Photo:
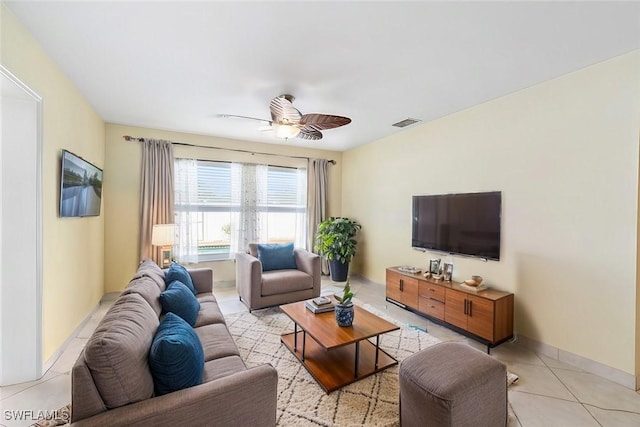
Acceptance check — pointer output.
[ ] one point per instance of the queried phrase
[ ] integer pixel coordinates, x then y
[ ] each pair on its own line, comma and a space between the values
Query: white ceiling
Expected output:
177, 65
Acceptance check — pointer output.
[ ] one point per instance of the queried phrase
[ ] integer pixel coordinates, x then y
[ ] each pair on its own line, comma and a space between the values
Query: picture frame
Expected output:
434, 266
447, 271
80, 187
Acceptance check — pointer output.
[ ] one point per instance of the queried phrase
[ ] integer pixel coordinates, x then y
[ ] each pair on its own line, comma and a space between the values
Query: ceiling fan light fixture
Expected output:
287, 122
285, 131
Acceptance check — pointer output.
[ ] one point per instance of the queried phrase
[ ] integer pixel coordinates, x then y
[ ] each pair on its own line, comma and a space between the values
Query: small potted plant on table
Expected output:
344, 308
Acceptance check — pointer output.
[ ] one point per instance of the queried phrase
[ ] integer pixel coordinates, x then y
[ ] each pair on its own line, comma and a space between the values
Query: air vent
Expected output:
406, 122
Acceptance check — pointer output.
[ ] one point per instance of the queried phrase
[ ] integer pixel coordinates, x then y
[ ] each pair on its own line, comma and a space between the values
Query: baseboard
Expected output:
365, 280
111, 296
224, 284
612, 374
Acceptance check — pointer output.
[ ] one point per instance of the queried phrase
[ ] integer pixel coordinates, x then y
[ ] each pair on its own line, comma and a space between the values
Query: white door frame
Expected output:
21, 348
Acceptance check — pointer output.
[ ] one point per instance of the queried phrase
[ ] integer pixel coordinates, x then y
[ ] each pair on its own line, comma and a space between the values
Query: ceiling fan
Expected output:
287, 122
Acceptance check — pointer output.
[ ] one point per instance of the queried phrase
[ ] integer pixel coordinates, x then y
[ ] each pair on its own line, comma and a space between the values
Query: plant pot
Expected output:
339, 270
344, 314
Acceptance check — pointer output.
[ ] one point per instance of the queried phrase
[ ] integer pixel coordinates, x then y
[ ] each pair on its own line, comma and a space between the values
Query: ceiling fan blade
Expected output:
323, 121
310, 133
283, 112
233, 116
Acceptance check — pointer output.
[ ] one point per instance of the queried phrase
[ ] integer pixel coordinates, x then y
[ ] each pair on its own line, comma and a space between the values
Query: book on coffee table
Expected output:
321, 300
314, 308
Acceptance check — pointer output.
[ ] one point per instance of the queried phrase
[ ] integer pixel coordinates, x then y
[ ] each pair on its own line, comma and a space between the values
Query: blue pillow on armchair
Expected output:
276, 256
179, 273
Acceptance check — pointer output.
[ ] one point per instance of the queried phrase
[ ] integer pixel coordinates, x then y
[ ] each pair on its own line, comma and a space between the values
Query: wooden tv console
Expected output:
486, 316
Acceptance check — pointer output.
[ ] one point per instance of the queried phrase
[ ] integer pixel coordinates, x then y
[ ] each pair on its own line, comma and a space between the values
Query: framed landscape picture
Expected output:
80, 187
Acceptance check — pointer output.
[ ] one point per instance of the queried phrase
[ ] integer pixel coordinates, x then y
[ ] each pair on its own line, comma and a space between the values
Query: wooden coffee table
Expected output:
336, 356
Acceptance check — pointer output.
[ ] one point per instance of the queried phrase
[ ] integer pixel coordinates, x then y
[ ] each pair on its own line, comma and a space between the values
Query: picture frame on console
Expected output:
447, 271
434, 266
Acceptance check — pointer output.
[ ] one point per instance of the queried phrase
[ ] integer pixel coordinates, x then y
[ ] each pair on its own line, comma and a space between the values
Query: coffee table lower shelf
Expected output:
334, 368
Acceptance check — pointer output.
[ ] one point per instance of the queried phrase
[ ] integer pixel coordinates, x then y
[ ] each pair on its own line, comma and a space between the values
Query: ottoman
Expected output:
452, 384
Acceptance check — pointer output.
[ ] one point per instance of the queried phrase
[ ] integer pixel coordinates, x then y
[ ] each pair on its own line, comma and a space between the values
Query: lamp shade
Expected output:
163, 235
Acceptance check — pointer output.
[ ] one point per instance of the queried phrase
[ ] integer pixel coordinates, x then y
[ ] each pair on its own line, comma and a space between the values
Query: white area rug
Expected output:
372, 401
301, 401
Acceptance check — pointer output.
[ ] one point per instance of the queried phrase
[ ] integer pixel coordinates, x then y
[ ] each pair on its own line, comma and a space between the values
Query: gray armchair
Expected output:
260, 289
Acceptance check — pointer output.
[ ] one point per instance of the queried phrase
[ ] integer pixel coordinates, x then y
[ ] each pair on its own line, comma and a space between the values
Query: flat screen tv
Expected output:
80, 187
462, 224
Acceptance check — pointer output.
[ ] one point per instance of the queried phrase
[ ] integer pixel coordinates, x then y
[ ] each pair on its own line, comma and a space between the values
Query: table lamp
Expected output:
164, 235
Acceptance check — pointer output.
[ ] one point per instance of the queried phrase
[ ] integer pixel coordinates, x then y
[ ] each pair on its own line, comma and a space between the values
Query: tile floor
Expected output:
548, 393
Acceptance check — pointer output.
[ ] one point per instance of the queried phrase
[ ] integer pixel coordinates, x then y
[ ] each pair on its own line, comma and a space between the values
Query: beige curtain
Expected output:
156, 193
317, 202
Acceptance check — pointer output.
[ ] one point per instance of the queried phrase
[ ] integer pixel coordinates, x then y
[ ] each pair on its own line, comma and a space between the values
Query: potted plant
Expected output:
336, 241
344, 308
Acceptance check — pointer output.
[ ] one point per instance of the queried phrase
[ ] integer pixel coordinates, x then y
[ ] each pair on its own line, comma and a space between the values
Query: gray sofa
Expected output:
112, 384
259, 289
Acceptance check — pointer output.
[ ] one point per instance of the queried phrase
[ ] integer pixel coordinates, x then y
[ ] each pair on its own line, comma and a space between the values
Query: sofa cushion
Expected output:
222, 367
276, 257
209, 313
148, 289
148, 268
176, 358
179, 273
178, 299
216, 341
117, 352
285, 281
205, 298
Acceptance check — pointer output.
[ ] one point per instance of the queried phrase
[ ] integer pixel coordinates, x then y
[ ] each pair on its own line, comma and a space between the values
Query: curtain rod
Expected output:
133, 138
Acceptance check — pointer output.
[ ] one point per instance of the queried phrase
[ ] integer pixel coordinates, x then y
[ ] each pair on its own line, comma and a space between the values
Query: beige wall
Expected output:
122, 190
565, 155
73, 248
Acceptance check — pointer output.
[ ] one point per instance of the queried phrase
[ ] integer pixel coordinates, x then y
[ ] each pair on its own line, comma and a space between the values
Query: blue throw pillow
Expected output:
179, 300
179, 273
276, 256
176, 358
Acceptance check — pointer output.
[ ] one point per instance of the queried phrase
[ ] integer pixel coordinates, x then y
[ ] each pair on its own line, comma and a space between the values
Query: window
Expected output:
221, 207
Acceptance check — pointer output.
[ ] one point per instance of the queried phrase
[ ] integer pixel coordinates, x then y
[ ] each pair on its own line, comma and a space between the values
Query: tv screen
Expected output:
463, 224
80, 187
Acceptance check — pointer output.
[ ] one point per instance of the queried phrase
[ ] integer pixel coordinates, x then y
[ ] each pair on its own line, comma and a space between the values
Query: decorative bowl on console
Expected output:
474, 281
